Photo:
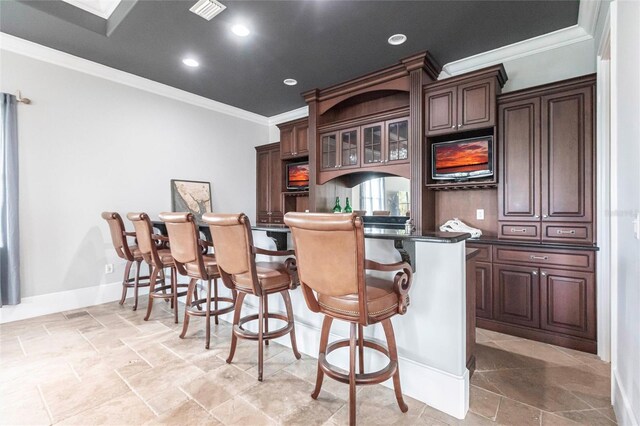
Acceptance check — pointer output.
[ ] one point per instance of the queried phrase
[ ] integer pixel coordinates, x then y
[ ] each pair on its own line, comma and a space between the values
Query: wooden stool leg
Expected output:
393, 355
208, 316
190, 290
215, 297
174, 288
324, 340
152, 285
361, 348
236, 319
260, 340
266, 316
292, 333
127, 271
135, 285
352, 374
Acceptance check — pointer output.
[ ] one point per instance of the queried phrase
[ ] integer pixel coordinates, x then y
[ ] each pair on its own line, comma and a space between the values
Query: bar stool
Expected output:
158, 259
236, 257
189, 254
130, 253
331, 261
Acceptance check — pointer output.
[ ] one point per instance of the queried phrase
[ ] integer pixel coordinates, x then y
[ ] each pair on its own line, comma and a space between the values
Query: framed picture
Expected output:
191, 196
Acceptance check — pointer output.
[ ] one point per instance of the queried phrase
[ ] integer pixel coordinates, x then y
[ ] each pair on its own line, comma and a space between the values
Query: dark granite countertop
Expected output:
389, 234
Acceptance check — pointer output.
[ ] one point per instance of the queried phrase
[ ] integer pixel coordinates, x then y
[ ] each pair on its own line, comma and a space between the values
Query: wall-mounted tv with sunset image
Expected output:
298, 176
462, 159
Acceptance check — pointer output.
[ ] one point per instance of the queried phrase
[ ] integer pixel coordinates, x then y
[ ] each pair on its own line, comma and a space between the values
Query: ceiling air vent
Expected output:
207, 8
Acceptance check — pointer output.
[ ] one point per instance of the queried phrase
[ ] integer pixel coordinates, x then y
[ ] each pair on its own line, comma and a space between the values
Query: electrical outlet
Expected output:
480, 214
108, 268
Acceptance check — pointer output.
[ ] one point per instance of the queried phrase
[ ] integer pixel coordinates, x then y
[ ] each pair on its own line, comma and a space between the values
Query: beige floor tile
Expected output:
68, 398
495, 336
377, 405
551, 419
274, 364
511, 412
307, 369
218, 386
246, 355
208, 360
187, 413
537, 350
587, 417
124, 409
608, 413
237, 411
166, 399
24, 406
535, 387
490, 357
483, 402
480, 380
149, 382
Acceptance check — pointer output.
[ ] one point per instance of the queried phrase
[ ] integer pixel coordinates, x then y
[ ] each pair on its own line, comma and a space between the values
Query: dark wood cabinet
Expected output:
568, 302
546, 168
567, 155
516, 295
544, 294
519, 180
349, 151
442, 111
462, 103
294, 139
268, 184
484, 290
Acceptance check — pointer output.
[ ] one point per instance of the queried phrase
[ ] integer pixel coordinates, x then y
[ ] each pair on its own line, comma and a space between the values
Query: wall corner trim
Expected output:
289, 115
39, 52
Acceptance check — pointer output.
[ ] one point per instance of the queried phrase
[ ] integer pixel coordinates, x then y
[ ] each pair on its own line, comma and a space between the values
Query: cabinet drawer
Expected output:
519, 231
485, 252
277, 219
583, 260
570, 233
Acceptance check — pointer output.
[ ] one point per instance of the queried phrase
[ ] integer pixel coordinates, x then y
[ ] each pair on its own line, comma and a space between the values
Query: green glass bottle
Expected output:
347, 207
337, 208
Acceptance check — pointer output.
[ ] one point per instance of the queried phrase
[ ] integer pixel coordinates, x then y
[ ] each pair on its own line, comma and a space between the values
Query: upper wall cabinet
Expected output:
294, 139
465, 102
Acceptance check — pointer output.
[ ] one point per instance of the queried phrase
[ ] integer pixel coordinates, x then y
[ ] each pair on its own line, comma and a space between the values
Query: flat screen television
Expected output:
298, 176
463, 159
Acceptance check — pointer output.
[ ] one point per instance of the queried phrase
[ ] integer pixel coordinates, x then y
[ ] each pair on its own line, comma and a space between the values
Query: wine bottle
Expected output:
347, 207
337, 208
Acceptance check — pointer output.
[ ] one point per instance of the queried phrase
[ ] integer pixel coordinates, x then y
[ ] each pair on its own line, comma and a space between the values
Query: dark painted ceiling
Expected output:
319, 43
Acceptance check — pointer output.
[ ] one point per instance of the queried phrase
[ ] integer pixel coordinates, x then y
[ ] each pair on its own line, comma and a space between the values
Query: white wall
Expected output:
625, 71
88, 145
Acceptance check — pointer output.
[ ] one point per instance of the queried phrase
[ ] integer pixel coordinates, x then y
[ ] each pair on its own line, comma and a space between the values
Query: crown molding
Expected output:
27, 48
583, 30
294, 114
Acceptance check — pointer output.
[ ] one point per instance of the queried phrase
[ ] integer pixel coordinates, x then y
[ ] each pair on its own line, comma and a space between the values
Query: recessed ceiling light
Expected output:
290, 81
190, 62
240, 30
397, 39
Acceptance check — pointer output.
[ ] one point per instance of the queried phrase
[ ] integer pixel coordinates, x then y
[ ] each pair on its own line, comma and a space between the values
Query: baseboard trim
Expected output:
621, 403
51, 303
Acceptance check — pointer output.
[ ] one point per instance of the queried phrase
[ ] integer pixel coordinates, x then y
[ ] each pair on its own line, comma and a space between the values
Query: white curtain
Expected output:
9, 236
372, 195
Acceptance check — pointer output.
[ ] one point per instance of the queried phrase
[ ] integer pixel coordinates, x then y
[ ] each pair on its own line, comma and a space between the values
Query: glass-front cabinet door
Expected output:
372, 144
329, 154
398, 141
349, 155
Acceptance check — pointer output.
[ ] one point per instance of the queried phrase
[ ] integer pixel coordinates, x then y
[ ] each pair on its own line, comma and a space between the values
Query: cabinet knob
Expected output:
453, 127
544, 274
459, 126
534, 272
544, 215
537, 216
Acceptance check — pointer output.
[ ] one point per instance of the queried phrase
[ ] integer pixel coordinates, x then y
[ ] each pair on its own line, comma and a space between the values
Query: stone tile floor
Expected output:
105, 365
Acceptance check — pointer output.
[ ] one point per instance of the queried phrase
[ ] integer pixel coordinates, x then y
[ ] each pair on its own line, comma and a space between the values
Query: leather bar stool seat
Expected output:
236, 256
129, 252
331, 265
150, 246
273, 276
210, 266
189, 254
382, 300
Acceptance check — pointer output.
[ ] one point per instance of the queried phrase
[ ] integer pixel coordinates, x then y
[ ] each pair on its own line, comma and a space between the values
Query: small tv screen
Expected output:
298, 176
462, 159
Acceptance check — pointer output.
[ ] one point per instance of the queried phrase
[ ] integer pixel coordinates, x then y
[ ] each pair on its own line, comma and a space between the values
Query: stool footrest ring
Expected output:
361, 379
240, 331
191, 310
